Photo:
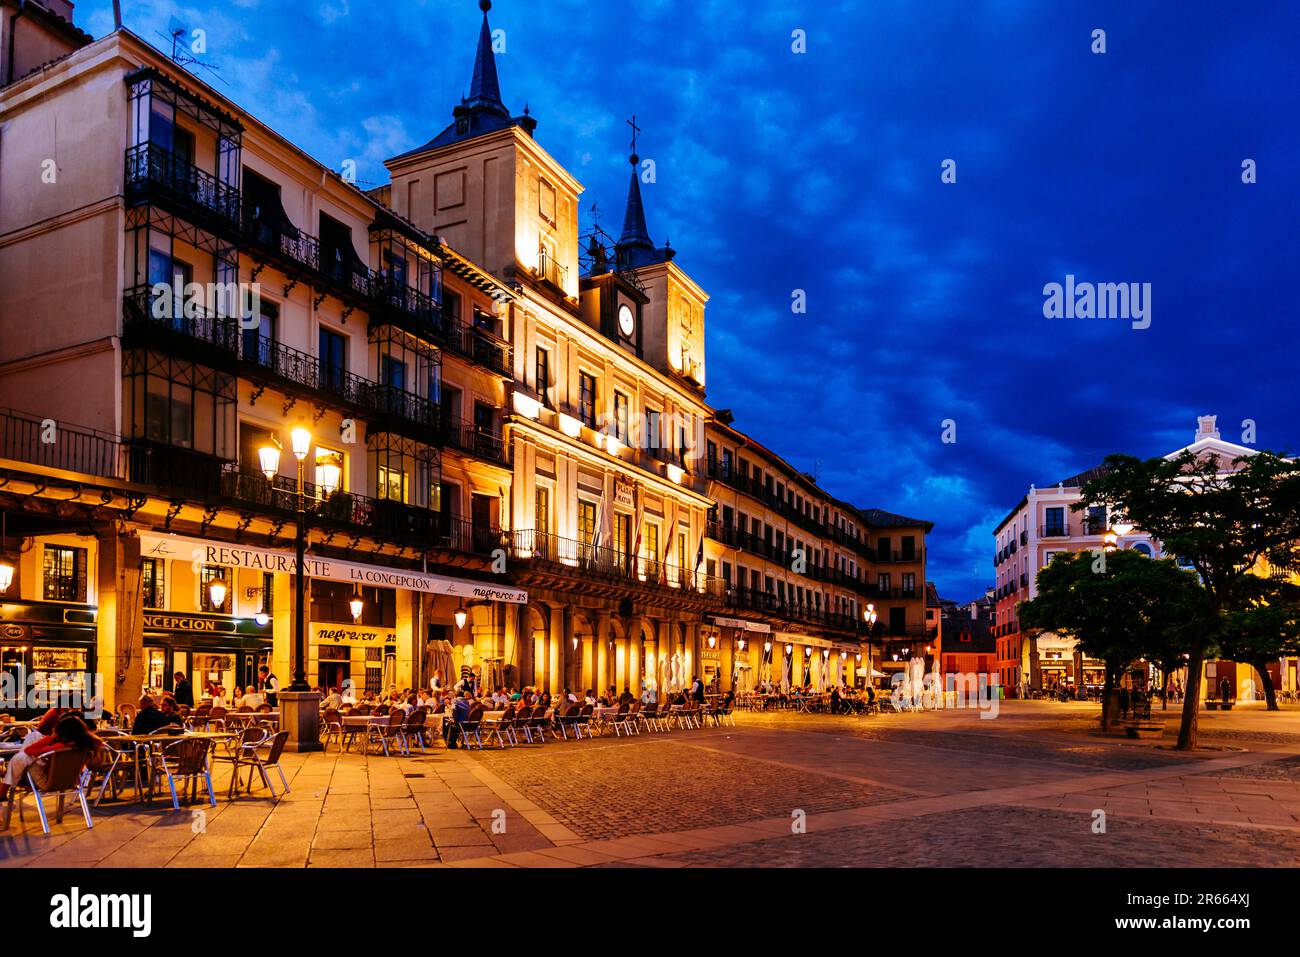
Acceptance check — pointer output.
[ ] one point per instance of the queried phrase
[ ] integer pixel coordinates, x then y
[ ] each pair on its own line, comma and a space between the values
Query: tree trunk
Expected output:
1191, 701
1107, 705
1164, 689
1270, 693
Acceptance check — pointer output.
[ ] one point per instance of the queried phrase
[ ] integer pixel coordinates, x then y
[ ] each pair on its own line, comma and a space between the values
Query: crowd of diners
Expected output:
457, 702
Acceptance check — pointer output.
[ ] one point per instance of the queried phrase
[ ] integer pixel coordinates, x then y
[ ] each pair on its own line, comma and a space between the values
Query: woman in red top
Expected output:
70, 732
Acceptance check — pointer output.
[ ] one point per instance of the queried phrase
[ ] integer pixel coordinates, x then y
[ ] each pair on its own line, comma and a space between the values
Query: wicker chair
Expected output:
59, 773
186, 759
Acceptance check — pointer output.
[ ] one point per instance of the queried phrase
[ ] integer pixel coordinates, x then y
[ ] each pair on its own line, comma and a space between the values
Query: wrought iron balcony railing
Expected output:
549, 269
582, 557
486, 444
152, 169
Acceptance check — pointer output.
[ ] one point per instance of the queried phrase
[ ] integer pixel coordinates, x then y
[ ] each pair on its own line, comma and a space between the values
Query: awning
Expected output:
205, 552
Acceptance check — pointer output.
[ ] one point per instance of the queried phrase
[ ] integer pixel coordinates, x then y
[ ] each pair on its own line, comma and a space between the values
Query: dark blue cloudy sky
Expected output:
821, 171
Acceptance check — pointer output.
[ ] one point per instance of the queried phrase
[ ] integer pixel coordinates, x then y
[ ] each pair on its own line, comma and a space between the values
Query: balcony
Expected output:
1054, 531
770, 603
85, 451
204, 337
549, 270
350, 513
481, 443
899, 557
295, 251
758, 491
1024, 537
155, 174
543, 550
479, 346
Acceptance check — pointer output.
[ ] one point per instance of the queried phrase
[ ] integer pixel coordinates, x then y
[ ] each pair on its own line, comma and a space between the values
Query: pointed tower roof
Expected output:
635, 233
635, 248
482, 110
484, 88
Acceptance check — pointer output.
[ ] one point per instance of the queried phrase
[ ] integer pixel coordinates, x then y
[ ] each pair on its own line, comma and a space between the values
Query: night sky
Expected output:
821, 171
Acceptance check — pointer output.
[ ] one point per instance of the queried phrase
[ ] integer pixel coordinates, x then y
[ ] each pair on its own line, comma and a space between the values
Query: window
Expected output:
392, 372
620, 417
882, 582
392, 484
586, 527
207, 576
546, 201
587, 399
1142, 548
65, 573
622, 539
652, 544
909, 584
1054, 521
152, 585
542, 513
683, 570
258, 341
908, 545
333, 359
544, 375
726, 463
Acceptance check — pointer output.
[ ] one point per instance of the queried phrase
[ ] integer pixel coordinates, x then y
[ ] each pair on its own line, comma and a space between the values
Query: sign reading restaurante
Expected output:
269, 560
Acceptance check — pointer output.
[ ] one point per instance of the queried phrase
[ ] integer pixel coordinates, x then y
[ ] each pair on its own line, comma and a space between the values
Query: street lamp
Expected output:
357, 605
217, 592
300, 441
461, 617
1110, 540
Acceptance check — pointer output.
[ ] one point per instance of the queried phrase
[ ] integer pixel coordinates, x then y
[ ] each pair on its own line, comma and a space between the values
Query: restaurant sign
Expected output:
201, 552
202, 625
741, 624
347, 634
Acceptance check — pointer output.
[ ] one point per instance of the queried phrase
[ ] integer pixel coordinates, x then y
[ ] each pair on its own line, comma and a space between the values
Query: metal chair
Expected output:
274, 747
469, 728
237, 751
393, 731
59, 773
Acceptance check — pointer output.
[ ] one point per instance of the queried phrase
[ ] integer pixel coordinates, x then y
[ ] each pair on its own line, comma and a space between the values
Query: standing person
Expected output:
1225, 689
697, 690
184, 691
459, 715
269, 685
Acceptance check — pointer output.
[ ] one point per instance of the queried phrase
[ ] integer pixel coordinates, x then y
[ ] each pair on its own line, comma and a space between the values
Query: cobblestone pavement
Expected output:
1006, 836
904, 790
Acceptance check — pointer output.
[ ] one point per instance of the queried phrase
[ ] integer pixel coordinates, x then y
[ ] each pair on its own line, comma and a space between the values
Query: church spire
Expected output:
484, 89
635, 233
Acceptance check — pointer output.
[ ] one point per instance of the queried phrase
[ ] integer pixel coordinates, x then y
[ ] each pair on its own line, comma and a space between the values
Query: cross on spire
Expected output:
635, 130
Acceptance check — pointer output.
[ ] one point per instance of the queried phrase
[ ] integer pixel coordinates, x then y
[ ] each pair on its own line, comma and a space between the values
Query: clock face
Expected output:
626, 321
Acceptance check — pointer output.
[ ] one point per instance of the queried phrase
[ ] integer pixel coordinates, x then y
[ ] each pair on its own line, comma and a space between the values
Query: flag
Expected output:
638, 518
699, 560
670, 540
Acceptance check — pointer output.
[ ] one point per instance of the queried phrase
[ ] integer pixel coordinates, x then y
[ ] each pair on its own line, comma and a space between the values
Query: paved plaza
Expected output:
937, 789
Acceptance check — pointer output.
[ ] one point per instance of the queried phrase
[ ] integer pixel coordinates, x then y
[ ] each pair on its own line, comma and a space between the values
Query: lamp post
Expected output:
305, 730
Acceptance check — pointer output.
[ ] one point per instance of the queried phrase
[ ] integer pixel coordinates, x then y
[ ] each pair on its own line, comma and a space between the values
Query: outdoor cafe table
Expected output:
136, 744
364, 721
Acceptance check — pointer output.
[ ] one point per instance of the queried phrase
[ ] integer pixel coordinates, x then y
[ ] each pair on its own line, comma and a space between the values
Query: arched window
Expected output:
1143, 548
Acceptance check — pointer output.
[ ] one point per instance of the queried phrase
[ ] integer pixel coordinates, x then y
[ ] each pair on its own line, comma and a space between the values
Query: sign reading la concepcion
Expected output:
202, 553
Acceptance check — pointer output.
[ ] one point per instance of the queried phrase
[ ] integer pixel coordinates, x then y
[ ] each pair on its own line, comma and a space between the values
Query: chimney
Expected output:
1205, 427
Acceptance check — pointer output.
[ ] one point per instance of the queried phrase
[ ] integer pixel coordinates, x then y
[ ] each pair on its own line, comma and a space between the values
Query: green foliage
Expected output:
1120, 606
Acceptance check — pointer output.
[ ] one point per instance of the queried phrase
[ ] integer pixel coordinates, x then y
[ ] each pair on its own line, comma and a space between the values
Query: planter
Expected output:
1211, 706
1143, 729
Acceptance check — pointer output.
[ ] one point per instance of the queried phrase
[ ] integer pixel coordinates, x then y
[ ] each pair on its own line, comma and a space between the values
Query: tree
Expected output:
1119, 606
1264, 626
1221, 518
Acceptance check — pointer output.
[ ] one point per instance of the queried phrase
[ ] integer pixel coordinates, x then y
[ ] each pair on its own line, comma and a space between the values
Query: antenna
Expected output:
180, 55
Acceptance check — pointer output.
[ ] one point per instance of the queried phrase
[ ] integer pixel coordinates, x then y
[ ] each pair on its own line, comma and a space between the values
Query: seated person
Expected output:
151, 717
332, 700
70, 732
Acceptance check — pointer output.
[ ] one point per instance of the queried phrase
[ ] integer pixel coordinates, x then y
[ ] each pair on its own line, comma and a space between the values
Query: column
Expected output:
523, 644
604, 660
407, 640
119, 637
635, 652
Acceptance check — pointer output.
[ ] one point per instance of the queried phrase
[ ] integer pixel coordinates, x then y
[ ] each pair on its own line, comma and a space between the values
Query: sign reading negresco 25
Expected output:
202, 552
